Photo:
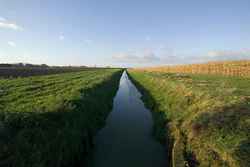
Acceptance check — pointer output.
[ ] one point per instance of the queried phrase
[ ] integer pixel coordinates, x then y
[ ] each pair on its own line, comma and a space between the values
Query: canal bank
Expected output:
127, 140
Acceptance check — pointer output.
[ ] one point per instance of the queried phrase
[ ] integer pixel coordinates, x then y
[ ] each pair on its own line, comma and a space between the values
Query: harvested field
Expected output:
229, 68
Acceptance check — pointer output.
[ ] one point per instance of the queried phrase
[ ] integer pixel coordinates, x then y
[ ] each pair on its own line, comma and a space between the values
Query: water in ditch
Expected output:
126, 140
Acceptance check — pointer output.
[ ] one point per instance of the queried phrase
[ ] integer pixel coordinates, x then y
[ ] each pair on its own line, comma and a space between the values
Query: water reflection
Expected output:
126, 140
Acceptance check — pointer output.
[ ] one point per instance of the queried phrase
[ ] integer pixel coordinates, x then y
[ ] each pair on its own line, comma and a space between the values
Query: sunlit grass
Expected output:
51, 120
207, 115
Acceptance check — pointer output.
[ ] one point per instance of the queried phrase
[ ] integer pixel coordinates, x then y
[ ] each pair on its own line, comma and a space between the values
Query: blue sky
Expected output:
123, 32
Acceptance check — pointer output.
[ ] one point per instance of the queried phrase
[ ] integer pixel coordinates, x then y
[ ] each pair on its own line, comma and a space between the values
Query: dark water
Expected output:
126, 140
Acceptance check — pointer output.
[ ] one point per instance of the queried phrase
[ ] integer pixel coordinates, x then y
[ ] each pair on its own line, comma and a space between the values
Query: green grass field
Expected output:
17, 72
204, 119
50, 120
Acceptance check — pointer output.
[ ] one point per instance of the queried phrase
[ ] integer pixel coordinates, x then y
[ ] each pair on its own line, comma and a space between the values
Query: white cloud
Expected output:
132, 57
125, 57
12, 44
2, 19
9, 25
25, 57
61, 37
148, 58
229, 54
216, 55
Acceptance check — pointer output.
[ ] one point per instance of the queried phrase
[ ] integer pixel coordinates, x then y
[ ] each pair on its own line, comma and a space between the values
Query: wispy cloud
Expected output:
216, 55
2, 19
9, 25
61, 37
125, 57
229, 54
11, 43
147, 56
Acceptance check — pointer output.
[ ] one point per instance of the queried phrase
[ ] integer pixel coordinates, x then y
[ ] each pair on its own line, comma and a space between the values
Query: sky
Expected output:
127, 33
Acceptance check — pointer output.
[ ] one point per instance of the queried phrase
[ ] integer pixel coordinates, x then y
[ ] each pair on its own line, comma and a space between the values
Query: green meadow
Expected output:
203, 120
50, 120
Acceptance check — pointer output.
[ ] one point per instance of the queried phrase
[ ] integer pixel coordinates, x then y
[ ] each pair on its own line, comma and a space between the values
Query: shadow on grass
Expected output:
160, 128
229, 127
59, 138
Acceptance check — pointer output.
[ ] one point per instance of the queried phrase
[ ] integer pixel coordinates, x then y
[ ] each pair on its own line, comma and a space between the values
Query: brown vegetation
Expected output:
228, 68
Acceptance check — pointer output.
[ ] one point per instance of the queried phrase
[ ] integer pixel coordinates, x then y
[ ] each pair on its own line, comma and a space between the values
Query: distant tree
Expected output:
5, 65
18, 65
44, 65
30, 65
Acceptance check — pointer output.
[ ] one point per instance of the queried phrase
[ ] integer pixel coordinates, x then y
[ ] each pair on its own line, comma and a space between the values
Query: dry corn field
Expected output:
228, 68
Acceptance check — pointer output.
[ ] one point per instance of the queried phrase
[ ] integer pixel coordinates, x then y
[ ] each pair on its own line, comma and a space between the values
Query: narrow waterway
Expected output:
126, 140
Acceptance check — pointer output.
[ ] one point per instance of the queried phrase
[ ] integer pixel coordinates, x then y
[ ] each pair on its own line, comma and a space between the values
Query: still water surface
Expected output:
126, 140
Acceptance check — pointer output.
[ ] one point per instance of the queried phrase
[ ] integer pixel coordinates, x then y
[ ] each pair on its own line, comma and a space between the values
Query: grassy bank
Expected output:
205, 119
50, 120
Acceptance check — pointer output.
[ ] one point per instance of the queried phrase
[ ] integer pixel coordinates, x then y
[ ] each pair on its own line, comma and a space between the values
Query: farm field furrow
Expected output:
50, 120
204, 120
39, 87
6, 72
